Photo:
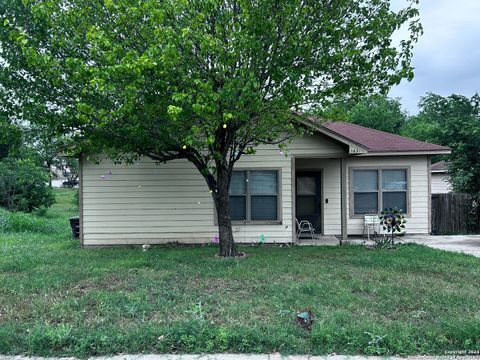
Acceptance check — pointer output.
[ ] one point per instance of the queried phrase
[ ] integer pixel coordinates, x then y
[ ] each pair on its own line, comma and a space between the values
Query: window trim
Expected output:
248, 221
380, 191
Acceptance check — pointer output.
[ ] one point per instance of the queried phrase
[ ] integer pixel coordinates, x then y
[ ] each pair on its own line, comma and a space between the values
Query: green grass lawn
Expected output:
59, 299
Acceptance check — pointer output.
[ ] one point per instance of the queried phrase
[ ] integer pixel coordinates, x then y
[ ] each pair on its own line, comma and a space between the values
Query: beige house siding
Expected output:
418, 219
440, 183
149, 203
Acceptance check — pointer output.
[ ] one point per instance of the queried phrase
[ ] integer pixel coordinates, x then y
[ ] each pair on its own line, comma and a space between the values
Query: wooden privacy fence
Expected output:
451, 214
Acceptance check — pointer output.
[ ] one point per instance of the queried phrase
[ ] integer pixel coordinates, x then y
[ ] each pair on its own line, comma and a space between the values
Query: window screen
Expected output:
365, 180
254, 195
366, 203
238, 195
379, 189
365, 192
394, 180
394, 189
394, 199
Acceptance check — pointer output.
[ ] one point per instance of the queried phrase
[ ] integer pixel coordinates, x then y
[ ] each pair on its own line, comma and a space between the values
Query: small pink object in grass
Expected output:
215, 239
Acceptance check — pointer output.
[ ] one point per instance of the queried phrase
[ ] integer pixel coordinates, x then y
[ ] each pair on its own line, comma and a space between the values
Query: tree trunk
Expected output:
222, 203
50, 174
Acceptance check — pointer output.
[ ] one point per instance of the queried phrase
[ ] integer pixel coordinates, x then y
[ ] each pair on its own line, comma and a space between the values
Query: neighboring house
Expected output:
63, 176
331, 177
58, 176
440, 180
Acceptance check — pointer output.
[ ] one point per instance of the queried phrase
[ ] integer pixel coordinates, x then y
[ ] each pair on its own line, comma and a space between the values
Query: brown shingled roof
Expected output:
380, 141
441, 166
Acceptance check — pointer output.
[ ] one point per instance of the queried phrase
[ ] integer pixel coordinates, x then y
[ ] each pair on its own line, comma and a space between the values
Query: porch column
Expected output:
294, 211
343, 198
429, 170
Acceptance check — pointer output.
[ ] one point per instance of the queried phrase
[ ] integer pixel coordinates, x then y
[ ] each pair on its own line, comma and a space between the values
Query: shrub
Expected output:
24, 186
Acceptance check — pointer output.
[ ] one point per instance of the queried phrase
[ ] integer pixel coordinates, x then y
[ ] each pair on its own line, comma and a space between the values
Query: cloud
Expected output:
447, 56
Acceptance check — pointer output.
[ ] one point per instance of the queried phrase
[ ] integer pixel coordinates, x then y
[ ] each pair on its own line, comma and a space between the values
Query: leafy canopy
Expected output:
376, 111
453, 121
204, 80
24, 185
10, 138
23, 179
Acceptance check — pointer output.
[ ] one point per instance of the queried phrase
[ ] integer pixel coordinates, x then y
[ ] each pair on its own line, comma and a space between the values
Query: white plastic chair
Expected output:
305, 226
371, 225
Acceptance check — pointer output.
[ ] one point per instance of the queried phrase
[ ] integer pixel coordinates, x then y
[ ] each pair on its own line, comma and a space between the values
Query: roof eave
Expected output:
358, 149
410, 152
354, 147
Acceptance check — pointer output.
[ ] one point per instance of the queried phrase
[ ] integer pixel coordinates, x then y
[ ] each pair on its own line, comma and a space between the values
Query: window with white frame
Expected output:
254, 195
374, 190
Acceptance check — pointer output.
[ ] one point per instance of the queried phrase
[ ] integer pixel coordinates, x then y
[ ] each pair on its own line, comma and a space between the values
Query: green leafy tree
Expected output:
45, 147
23, 181
453, 121
23, 185
377, 112
70, 169
337, 109
32, 142
201, 80
10, 138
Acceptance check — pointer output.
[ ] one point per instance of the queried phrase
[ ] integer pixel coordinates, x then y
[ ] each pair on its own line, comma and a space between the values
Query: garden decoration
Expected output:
103, 177
305, 319
262, 238
393, 222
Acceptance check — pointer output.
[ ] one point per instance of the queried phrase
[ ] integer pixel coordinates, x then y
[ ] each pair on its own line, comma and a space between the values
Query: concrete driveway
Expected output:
467, 244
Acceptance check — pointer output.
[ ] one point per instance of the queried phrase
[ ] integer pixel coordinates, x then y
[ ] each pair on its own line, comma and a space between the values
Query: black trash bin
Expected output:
75, 225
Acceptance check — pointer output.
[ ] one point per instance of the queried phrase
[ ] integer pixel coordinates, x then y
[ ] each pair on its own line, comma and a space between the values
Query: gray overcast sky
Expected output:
447, 56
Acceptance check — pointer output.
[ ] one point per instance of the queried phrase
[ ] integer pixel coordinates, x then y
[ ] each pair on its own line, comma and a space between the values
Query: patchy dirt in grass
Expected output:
365, 294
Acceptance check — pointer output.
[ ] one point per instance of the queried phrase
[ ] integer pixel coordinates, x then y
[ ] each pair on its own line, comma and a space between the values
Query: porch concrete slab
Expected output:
319, 240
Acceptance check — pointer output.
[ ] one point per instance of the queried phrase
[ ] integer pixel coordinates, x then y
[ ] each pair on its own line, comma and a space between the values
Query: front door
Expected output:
309, 198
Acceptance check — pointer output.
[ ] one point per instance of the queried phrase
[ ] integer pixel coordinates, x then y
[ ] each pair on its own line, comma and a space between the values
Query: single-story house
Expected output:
332, 176
440, 180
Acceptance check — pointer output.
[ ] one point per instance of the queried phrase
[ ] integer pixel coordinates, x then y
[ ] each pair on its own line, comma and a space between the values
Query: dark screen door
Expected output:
309, 199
